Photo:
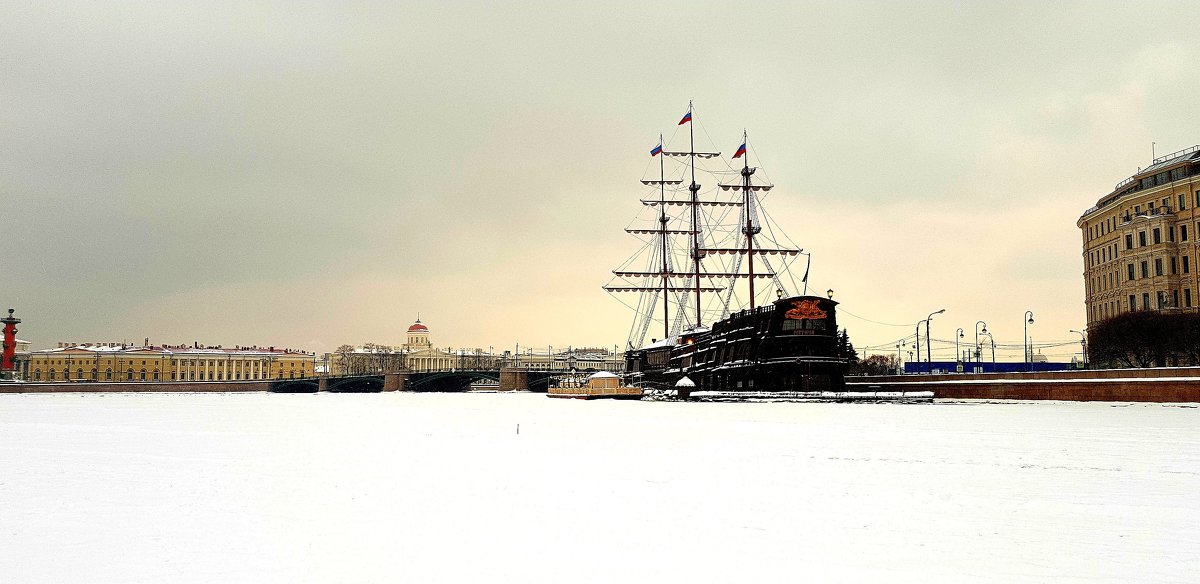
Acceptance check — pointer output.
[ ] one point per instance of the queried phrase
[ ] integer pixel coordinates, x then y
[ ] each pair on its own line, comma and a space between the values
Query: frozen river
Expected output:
442, 488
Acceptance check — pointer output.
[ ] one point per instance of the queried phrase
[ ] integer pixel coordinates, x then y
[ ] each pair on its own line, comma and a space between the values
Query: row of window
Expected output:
1106, 281
1110, 224
142, 376
1108, 253
1162, 299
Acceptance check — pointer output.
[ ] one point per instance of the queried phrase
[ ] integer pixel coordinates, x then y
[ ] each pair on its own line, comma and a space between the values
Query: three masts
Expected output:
660, 279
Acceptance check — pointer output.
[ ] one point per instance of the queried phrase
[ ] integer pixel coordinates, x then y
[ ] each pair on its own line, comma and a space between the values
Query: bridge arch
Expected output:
448, 380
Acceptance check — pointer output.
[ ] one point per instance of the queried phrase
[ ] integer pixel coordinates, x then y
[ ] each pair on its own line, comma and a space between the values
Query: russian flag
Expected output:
740, 151
686, 118
654, 151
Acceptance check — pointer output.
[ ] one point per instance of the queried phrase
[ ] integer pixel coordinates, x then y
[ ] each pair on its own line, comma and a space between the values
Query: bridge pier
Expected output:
513, 379
323, 383
395, 381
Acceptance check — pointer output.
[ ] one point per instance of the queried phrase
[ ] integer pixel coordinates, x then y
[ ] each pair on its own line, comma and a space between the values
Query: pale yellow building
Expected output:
421, 355
115, 362
1139, 241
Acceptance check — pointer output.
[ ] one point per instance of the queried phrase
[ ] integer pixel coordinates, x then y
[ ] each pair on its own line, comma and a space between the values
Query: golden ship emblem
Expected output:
804, 310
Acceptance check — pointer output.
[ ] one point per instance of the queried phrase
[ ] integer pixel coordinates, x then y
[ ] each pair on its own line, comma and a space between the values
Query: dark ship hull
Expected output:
788, 348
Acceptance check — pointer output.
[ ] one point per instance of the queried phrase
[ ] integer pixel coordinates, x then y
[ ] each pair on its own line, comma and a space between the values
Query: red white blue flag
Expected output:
740, 151
686, 118
654, 151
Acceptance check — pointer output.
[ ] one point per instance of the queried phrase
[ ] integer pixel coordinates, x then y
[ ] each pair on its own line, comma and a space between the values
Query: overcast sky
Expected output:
312, 174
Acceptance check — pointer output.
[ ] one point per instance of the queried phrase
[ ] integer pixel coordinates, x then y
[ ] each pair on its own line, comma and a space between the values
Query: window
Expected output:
1171, 233
1128, 241
1145, 301
1161, 298
1183, 233
1158, 267
1145, 269
1132, 302
37, 374
1182, 202
108, 374
1157, 235
1175, 298
1141, 239
1185, 264
1173, 266
1187, 297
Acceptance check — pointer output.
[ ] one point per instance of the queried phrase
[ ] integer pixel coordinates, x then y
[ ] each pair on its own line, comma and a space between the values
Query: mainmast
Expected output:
695, 189
751, 228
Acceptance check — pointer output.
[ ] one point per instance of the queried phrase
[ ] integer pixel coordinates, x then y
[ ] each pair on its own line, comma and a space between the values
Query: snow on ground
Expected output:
441, 488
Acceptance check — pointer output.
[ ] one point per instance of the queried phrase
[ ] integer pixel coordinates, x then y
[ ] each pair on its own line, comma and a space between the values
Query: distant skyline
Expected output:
308, 175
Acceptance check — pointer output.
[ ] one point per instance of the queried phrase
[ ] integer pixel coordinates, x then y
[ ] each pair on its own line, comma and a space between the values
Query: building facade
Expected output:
418, 354
21, 359
1139, 241
116, 362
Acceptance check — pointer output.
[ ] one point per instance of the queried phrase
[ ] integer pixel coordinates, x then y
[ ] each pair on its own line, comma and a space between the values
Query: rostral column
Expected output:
7, 363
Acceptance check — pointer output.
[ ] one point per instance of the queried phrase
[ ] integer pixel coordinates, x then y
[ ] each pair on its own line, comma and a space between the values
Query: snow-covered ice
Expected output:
442, 488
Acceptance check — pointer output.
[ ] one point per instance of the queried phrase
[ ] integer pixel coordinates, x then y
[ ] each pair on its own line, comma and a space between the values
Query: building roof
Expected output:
1162, 164
418, 327
166, 350
1172, 159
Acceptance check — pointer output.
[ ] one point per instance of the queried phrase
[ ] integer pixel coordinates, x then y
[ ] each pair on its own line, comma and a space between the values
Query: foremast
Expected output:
751, 226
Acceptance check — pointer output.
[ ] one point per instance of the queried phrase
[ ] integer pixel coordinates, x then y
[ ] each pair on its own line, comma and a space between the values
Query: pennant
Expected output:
686, 118
740, 151
656, 150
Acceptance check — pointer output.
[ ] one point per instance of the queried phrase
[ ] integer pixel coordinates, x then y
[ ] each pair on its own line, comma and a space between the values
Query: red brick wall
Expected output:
1174, 384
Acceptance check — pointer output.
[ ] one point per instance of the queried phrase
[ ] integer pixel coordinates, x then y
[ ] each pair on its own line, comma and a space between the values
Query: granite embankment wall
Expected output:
1166, 384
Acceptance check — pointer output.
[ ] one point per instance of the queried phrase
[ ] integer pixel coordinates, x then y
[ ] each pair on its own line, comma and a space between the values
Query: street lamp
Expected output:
1083, 344
928, 350
1028, 357
898, 360
977, 331
957, 354
917, 346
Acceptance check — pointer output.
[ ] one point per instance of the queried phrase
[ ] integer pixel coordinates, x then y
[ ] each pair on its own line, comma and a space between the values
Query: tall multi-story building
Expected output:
1139, 241
121, 362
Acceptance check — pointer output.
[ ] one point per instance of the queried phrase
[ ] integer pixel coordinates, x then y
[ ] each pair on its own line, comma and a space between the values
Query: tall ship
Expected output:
714, 288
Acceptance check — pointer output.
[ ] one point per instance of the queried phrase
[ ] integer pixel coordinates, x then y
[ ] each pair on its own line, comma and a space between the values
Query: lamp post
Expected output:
928, 349
957, 355
917, 345
1028, 357
977, 331
1083, 345
899, 368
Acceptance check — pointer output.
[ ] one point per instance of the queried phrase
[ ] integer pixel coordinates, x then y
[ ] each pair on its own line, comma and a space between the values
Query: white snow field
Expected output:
220, 488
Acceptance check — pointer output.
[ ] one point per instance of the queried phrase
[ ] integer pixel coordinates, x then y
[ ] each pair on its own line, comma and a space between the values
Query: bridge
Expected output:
508, 379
